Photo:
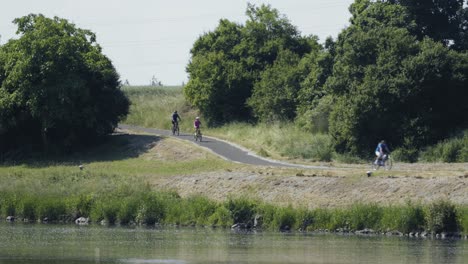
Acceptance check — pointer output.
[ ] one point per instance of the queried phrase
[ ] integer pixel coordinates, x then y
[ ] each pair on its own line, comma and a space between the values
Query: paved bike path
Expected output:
222, 148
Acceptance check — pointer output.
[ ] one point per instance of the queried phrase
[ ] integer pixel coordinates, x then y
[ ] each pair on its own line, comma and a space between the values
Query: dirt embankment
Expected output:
340, 185
319, 191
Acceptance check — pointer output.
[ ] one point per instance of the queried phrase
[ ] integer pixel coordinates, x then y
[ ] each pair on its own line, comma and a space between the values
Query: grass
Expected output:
153, 107
147, 207
454, 149
280, 140
124, 162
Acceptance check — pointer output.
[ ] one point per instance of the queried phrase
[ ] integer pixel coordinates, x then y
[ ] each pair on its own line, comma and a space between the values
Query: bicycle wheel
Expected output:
388, 164
177, 130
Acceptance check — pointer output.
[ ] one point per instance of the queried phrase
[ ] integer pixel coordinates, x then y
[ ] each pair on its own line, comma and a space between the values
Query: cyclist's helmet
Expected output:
197, 117
175, 111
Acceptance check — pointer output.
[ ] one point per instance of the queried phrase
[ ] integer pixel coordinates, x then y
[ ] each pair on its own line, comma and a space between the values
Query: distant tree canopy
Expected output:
399, 72
57, 89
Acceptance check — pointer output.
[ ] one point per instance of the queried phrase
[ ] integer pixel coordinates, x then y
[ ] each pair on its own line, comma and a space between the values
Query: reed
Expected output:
147, 207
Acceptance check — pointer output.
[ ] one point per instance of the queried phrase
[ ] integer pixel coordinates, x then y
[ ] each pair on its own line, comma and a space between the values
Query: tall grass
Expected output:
153, 107
451, 150
279, 139
148, 208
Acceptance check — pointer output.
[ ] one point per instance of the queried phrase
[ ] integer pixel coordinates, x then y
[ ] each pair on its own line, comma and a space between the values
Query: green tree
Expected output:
56, 87
440, 20
275, 94
386, 84
313, 109
227, 62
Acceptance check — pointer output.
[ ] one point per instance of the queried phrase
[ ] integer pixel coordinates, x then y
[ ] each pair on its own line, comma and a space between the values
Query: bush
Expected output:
52, 208
321, 219
27, 209
451, 150
128, 210
405, 155
221, 217
365, 216
242, 210
152, 209
463, 216
441, 216
406, 219
199, 209
285, 218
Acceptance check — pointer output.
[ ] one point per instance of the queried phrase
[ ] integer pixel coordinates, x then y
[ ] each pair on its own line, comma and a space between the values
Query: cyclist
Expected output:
382, 151
175, 118
196, 125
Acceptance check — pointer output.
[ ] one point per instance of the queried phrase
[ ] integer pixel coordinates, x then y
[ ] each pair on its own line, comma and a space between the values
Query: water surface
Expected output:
39, 243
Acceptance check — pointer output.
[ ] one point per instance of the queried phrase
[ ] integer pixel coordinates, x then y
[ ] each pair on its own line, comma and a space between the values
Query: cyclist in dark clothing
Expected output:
381, 151
175, 118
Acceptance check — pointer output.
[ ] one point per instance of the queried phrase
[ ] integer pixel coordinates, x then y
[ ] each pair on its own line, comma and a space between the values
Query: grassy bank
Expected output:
143, 206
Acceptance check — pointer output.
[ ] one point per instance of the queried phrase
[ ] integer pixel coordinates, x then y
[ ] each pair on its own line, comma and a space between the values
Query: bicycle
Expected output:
175, 129
385, 162
198, 135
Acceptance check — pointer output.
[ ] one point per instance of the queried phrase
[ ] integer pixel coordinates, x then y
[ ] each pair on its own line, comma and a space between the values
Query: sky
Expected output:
146, 38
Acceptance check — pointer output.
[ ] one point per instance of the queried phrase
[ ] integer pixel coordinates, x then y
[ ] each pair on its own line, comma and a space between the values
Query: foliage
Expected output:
227, 63
242, 210
381, 73
406, 219
441, 216
148, 207
57, 89
274, 95
454, 149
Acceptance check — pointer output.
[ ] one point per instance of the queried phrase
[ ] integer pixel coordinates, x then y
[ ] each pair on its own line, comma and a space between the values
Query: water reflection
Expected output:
95, 244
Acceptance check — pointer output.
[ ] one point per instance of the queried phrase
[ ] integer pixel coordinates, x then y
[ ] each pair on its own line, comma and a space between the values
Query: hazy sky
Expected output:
153, 37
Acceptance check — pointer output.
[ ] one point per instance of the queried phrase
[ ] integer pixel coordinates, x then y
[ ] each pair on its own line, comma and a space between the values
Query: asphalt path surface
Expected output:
224, 149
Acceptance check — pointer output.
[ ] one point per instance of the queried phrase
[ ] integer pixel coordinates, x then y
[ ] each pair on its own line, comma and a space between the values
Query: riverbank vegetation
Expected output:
128, 206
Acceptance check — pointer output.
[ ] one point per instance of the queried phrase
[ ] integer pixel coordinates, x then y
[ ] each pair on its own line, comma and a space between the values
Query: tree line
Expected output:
399, 71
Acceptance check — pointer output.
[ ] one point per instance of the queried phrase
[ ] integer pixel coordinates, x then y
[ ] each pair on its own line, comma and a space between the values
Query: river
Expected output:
41, 243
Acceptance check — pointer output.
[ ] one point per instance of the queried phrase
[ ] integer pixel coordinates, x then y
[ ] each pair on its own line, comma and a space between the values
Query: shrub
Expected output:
242, 210
364, 216
451, 150
463, 216
441, 216
52, 208
405, 155
406, 219
199, 209
284, 218
221, 217
128, 210
321, 219
152, 209
27, 209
